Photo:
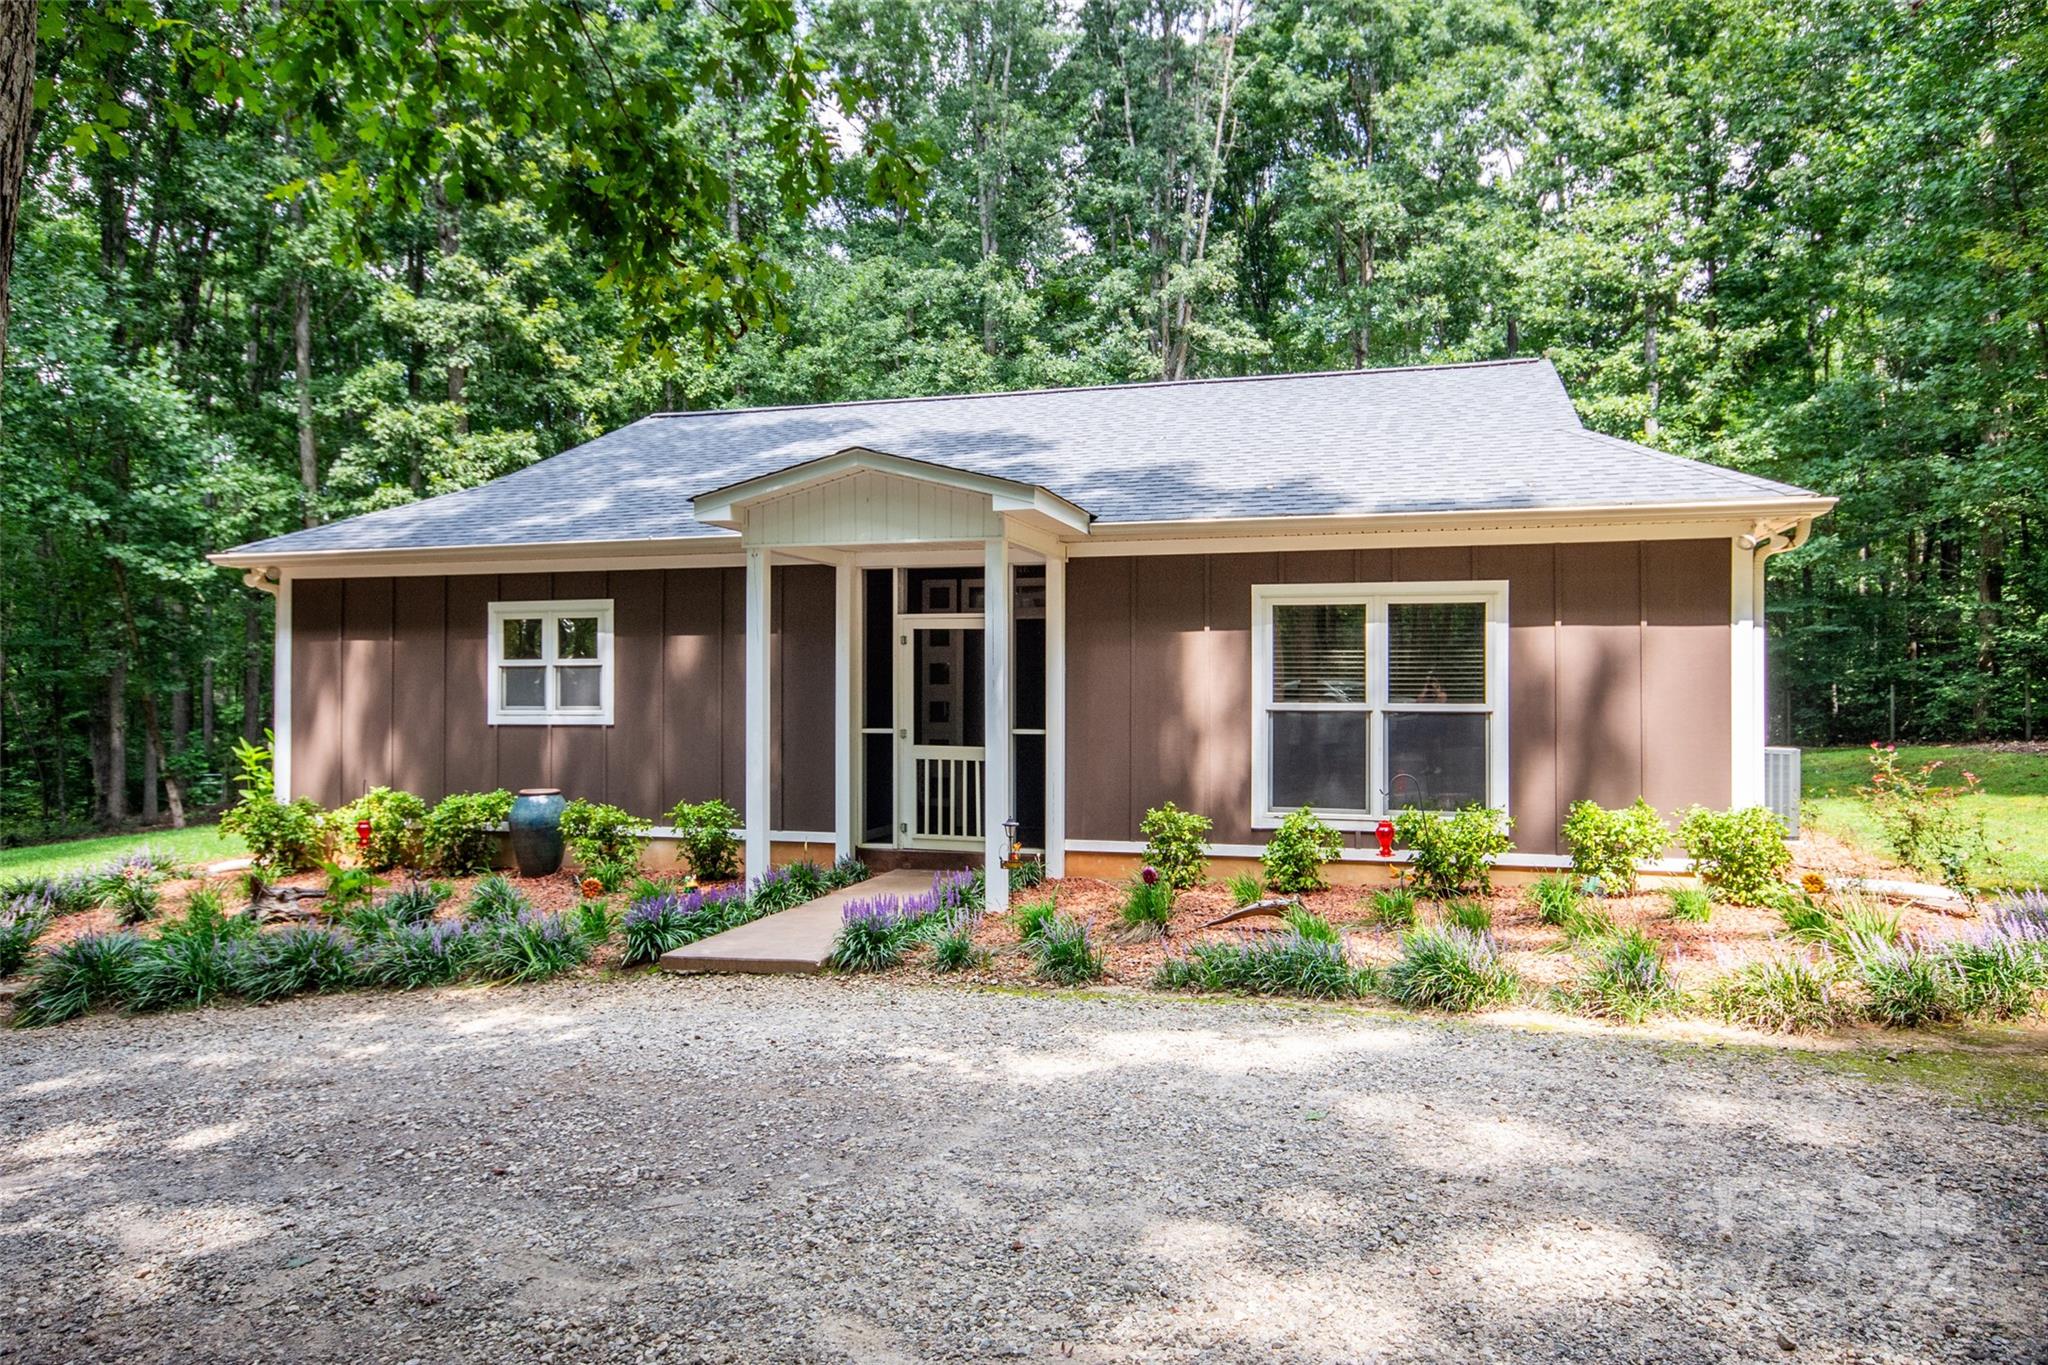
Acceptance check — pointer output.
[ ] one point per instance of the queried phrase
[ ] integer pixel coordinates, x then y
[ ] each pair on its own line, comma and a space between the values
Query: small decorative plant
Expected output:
1690, 904
1064, 953
1556, 900
1394, 908
1607, 844
601, 834
1176, 845
460, 836
1454, 854
704, 829
1739, 854
1032, 917
1629, 980
1449, 969
1148, 904
1470, 915
1295, 855
347, 888
1246, 889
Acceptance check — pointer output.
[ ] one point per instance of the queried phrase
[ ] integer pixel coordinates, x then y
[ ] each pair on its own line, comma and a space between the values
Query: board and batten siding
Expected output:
1618, 677
389, 679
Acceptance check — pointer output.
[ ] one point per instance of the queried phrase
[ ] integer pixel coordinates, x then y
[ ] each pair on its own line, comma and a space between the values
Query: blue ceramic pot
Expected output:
536, 829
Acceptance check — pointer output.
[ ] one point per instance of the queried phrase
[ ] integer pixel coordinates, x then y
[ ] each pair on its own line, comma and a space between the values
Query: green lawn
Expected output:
2015, 797
193, 844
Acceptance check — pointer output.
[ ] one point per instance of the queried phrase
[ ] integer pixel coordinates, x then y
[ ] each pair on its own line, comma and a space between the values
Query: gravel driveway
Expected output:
788, 1169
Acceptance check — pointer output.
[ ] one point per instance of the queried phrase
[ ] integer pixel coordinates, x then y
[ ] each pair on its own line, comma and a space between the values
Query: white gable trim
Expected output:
733, 506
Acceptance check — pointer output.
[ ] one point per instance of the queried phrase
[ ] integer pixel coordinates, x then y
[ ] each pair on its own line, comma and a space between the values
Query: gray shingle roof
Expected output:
1480, 437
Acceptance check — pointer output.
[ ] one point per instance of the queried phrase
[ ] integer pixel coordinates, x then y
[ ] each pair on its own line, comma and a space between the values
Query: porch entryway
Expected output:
947, 692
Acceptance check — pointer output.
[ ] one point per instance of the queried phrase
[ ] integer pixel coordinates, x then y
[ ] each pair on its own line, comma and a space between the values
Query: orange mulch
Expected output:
1735, 935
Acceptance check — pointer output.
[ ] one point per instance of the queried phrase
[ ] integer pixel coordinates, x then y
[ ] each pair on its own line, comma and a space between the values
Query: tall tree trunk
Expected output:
1650, 363
114, 793
302, 378
152, 769
17, 128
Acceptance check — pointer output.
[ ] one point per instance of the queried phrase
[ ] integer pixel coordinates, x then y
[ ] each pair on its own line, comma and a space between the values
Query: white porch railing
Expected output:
948, 785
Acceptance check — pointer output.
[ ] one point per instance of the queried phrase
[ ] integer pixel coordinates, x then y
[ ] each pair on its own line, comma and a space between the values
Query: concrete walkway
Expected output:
796, 940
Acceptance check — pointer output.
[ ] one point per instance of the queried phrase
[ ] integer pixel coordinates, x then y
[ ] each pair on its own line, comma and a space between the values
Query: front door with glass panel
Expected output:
941, 749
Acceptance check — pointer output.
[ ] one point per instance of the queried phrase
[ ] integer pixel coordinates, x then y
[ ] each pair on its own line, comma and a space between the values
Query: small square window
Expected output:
550, 663
524, 689
578, 689
576, 637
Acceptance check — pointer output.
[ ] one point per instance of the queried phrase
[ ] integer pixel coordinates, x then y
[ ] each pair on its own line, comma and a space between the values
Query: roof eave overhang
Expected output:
726, 507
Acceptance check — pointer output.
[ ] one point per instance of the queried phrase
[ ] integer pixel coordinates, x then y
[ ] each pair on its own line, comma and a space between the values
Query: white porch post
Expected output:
844, 835
997, 604
281, 693
757, 739
1746, 722
1055, 716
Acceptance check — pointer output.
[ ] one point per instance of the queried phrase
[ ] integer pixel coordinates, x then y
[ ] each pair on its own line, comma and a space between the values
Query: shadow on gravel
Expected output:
801, 1170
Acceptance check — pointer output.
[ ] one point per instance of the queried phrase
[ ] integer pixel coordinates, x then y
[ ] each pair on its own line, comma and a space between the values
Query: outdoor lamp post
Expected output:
1010, 842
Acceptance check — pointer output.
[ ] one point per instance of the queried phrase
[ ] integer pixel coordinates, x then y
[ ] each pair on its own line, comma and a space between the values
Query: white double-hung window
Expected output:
551, 663
1375, 697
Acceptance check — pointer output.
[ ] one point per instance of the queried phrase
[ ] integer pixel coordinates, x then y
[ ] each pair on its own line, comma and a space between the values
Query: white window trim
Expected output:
1375, 597
498, 713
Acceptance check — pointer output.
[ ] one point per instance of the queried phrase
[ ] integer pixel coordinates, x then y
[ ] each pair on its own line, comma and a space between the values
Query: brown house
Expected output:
1357, 592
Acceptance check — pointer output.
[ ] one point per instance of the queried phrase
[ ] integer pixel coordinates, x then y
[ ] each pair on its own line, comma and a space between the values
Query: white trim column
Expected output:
999, 609
1745, 677
1055, 716
281, 692
758, 751
844, 833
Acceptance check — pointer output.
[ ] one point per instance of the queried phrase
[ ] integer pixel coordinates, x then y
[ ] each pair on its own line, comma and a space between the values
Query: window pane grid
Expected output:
552, 663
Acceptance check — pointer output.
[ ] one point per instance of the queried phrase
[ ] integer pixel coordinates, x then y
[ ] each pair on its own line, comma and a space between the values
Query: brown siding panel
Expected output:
635, 745
419, 685
694, 650
1099, 721
576, 753
1530, 572
732, 723
471, 745
316, 690
1686, 673
802, 680
366, 662
1599, 674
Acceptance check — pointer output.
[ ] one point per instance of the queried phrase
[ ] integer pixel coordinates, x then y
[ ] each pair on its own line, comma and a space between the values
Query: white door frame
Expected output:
905, 679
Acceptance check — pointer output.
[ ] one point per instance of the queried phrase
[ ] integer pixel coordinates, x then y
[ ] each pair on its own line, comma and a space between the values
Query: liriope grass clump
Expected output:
533, 947
1064, 953
1690, 905
1786, 994
193, 960
76, 977
876, 932
431, 953
1032, 917
1394, 908
671, 918
1288, 963
954, 949
1628, 978
1556, 900
1450, 969
1473, 916
495, 899
23, 920
1909, 985
302, 959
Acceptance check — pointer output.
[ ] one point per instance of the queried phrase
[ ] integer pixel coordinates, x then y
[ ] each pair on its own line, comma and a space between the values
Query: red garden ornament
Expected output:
363, 837
1385, 831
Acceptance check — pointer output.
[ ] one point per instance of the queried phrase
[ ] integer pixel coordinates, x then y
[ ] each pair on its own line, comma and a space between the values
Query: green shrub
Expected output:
532, 947
1246, 889
460, 837
1737, 853
1295, 855
300, 959
1148, 904
282, 837
1290, 963
1926, 825
1394, 908
1032, 917
1177, 843
75, 977
1028, 872
22, 921
1453, 854
495, 899
1474, 917
423, 953
597, 833
1690, 904
1628, 979
396, 821
192, 960
1607, 844
1064, 953
1909, 987
1781, 995
1556, 900
1449, 969
704, 829
347, 888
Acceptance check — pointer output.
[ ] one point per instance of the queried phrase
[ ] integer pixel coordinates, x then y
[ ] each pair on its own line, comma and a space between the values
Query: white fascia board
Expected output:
591, 556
